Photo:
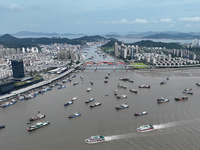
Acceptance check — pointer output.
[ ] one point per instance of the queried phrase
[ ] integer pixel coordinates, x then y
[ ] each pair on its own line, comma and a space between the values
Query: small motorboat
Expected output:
95, 139
89, 89
163, 82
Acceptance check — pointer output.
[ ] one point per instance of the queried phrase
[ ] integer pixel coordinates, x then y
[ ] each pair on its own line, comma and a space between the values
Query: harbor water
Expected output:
176, 122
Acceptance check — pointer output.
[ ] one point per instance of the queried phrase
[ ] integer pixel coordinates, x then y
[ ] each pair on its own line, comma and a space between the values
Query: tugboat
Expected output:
141, 113
68, 103
95, 139
95, 104
133, 90
181, 98
162, 100
144, 86
145, 128
124, 105
90, 100
39, 116
76, 114
38, 125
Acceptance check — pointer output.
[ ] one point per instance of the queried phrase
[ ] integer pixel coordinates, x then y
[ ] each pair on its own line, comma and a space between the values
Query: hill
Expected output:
13, 42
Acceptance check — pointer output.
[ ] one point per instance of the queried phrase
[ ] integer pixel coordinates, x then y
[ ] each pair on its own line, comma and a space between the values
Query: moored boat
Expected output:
76, 114
124, 105
145, 128
133, 90
95, 139
90, 100
162, 100
121, 86
181, 98
122, 96
115, 92
144, 86
38, 125
39, 116
61, 87
198, 83
68, 103
141, 113
8, 103
95, 104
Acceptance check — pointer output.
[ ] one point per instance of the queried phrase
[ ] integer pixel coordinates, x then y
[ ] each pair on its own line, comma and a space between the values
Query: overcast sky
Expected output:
99, 16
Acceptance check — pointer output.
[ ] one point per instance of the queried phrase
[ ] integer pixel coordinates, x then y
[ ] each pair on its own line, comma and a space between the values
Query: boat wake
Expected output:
136, 134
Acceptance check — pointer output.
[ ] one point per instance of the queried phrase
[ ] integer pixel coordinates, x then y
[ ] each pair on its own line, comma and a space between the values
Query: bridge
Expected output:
106, 65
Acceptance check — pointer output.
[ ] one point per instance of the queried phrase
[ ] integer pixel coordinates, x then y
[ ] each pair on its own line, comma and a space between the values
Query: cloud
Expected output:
14, 7
124, 21
140, 21
166, 20
190, 19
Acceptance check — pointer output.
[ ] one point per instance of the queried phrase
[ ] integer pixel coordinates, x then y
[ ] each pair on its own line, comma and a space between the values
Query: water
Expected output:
176, 123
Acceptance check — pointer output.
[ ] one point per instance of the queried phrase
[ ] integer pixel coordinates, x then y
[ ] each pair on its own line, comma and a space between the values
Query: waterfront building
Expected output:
18, 68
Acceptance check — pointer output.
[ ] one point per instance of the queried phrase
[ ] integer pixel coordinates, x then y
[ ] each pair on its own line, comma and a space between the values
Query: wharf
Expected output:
37, 85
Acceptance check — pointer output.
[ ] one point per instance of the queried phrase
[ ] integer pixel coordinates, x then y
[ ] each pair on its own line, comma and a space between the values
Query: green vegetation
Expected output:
140, 65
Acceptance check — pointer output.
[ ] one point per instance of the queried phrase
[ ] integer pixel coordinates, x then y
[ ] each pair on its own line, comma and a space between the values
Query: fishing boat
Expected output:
115, 92
38, 125
74, 98
163, 82
141, 113
162, 100
95, 104
144, 86
95, 139
88, 89
61, 87
124, 105
122, 96
133, 90
145, 128
91, 82
8, 103
121, 86
68, 103
75, 83
198, 83
90, 100
38, 116
181, 98
188, 92
2, 126
76, 114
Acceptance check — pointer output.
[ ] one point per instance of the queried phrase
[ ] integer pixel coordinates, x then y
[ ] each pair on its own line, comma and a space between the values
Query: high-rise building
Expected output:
116, 49
18, 68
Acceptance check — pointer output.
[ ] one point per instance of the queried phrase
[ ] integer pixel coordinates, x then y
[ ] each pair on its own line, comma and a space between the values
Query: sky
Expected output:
99, 16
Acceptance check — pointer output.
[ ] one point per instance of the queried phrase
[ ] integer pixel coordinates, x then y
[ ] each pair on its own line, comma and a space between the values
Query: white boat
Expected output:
74, 98
95, 139
145, 128
89, 89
